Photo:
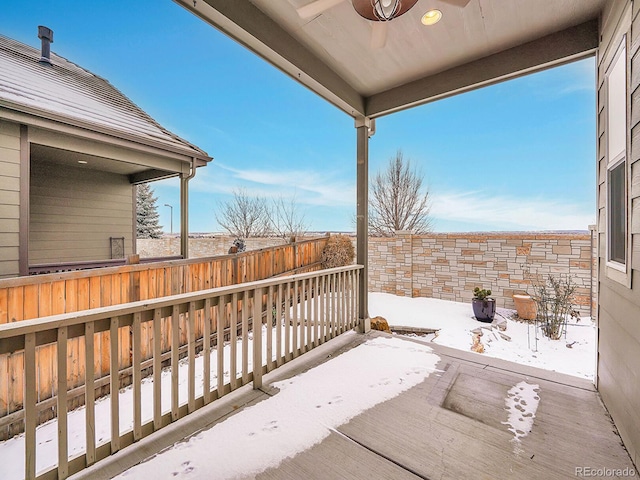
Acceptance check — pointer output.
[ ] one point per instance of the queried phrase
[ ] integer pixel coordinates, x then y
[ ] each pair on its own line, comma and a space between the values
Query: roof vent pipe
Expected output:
46, 35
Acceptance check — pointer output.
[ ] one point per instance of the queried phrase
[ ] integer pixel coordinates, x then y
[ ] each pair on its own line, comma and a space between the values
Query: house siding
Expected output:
74, 212
618, 376
9, 198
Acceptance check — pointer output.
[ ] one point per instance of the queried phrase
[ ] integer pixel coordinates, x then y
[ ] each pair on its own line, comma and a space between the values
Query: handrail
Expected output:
288, 316
69, 319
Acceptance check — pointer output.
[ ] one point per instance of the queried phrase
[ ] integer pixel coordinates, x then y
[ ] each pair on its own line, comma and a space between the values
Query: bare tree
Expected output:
286, 218
397, 200
244, 216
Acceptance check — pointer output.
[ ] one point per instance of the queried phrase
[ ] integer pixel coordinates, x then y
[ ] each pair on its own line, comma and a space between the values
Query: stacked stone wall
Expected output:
449, 266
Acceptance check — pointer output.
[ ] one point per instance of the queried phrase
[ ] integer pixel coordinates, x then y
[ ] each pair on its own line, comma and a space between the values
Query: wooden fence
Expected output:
39, 296
288, 316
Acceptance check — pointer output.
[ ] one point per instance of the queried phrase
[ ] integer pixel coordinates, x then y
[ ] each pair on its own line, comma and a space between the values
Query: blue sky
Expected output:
519, 155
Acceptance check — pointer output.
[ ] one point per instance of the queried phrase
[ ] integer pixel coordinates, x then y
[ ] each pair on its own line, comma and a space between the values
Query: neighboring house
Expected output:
72, 149
370, 69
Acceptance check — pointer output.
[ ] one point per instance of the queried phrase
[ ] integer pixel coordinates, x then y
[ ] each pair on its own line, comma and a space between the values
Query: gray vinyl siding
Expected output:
9, 198
74, 211
618, 305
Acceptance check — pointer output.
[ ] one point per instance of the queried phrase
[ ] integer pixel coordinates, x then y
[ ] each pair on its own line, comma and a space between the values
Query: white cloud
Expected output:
309, 186
510, 213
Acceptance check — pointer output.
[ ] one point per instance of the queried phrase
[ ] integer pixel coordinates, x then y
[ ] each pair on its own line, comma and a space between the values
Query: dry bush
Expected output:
338, 252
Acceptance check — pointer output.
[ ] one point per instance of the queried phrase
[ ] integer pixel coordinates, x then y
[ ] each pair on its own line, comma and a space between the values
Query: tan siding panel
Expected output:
9, 198
635, 180
8, 142
46, 204
10, 184
635, 143
635, 252
74, 211
635, 215
8, 253
635, 106
9, 211
610, 19
10, 169
635, 35
602, 195
9, 155
9, 129
635, 72
9, 225
601, 171
9, 269
11, 239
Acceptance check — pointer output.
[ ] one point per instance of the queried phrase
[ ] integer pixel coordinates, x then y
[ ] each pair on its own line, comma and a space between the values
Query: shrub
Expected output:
481, 293
338, 252
554, 299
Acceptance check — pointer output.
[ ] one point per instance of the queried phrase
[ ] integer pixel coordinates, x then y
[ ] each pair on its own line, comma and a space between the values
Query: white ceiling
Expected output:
332, 54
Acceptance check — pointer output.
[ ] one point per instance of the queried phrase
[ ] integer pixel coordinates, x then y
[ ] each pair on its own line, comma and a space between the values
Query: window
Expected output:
616, 85
617, 214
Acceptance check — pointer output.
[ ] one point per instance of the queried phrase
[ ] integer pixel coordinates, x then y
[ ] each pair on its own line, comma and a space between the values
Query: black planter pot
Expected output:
484, 310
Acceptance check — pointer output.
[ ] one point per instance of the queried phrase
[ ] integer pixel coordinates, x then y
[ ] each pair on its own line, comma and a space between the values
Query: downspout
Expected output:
184, 209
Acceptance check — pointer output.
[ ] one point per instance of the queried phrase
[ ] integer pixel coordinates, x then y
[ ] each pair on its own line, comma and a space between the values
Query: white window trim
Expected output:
616, 271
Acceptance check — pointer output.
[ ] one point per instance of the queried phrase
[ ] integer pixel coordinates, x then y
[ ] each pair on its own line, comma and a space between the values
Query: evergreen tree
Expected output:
147, 213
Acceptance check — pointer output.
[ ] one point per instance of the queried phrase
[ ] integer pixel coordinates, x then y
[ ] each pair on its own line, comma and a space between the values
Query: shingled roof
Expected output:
68, 93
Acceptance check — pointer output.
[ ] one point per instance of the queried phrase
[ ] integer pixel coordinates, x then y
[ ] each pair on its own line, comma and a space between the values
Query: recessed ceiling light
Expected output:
431, 17
83, 162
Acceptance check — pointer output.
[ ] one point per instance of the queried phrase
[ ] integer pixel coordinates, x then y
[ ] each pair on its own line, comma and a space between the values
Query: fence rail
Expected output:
287, 317
26, 298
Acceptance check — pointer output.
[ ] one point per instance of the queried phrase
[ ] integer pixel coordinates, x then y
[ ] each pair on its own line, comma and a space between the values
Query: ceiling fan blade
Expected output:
378, 34
316, 8
457, 3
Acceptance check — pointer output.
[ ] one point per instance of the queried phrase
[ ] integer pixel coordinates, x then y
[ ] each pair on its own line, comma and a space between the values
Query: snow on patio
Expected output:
575, 355
304, 412
310, 405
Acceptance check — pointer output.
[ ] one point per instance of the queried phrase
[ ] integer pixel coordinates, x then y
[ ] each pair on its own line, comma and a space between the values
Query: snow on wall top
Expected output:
66, 90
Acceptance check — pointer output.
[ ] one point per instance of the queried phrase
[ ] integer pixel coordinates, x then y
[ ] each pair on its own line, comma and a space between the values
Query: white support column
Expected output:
364, 127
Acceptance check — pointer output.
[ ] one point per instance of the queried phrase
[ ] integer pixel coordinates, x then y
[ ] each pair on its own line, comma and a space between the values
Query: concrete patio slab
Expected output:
453, 425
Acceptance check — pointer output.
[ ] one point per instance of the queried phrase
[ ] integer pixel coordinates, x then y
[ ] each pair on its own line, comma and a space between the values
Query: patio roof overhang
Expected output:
485, 42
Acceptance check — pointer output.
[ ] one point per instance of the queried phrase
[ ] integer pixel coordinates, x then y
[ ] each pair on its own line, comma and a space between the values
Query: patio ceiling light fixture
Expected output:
431, 17
382, 10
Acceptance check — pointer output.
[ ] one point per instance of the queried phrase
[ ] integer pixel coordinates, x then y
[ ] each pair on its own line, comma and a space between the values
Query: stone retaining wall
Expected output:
449, 266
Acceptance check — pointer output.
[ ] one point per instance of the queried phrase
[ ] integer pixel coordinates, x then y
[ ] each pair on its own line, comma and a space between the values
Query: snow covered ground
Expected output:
575, 355
310, 405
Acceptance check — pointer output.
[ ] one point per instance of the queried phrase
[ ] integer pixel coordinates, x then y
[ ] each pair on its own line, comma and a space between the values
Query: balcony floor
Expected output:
450, 426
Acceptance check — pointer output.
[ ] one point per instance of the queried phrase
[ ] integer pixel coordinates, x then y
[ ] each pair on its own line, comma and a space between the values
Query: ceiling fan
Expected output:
377, 11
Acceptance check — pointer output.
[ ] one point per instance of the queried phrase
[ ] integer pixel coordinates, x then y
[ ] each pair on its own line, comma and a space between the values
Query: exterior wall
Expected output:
74, 211
618, 374
449, 266
9, 198
199, 247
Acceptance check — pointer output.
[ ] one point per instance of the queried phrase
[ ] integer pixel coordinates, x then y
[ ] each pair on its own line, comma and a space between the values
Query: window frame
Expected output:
615, 270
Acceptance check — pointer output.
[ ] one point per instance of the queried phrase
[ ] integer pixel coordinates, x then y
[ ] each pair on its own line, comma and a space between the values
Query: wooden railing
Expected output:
25, 298
295, 314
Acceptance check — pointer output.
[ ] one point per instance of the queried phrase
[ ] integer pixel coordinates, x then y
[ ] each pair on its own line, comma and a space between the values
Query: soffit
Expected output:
58, 156
332, 52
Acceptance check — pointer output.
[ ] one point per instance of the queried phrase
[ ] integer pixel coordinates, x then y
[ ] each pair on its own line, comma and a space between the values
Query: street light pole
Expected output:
171, 207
